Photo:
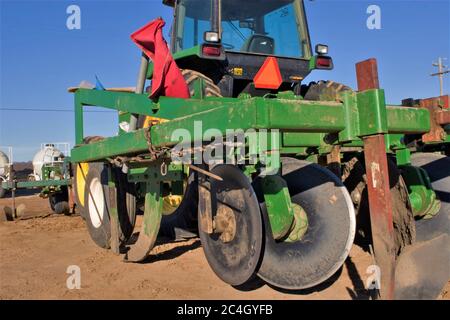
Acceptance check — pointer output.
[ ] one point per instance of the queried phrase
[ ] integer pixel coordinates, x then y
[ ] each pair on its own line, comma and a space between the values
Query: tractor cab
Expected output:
230, 42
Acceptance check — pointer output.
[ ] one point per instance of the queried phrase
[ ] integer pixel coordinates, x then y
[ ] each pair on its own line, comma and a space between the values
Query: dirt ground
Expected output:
36, 252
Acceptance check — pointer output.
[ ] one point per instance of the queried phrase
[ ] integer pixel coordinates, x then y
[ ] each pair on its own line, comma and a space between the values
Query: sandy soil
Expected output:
36, 252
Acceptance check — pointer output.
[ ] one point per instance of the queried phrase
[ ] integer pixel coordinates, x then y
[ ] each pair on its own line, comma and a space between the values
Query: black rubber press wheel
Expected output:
96, 198
59, 202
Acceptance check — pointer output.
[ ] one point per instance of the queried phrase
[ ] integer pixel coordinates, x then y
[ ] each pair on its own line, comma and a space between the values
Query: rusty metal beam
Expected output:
367, 75
380, 205
443, 117
437, 119
380, 201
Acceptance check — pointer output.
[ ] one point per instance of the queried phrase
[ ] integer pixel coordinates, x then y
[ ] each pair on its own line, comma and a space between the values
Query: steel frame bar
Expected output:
295, 118
34, 184
377, 172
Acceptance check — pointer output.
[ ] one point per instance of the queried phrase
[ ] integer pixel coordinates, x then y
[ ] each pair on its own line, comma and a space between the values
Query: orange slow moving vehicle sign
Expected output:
269, 76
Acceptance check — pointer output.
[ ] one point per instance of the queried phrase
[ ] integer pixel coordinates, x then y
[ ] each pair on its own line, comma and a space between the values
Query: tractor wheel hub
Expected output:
225, 223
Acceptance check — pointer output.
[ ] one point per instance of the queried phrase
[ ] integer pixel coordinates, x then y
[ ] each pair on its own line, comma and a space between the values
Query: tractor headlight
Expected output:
322, 49
211, 36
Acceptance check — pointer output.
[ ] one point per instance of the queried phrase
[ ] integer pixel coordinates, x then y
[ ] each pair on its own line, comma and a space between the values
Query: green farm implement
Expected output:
277, 177
51, 175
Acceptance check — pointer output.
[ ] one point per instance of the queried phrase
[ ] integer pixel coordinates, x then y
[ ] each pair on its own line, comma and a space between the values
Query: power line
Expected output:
52, 110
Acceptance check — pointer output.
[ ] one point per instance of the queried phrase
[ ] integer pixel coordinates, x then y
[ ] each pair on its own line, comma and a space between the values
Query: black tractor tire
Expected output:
80, 171
355, 180
209, 90
97, 205
126, 205
126, 201
323, 90
59, 202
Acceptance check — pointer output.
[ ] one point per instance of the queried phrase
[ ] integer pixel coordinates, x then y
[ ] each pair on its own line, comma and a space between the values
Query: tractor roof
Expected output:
232, 9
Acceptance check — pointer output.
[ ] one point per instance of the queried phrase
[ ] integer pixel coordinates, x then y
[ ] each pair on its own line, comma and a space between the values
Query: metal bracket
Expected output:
278, 204
150, 225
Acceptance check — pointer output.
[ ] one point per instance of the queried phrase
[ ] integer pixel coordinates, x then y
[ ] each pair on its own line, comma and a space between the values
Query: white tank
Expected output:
4, 161
48, 155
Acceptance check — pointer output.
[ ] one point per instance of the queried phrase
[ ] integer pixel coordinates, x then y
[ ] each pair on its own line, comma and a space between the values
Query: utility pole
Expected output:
440, 73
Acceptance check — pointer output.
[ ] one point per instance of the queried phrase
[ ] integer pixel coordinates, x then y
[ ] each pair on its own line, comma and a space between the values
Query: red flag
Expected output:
167, 78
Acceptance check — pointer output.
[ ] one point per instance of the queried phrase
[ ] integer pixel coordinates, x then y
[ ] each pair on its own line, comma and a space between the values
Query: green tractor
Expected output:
229, 45
344, 169
224, 47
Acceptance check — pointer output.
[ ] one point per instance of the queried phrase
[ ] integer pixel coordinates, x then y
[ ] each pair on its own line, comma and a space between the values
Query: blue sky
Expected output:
40, 58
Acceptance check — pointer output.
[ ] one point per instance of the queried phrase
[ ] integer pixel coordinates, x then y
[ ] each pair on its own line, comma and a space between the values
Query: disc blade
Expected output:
233, 258
423, 269
331, 229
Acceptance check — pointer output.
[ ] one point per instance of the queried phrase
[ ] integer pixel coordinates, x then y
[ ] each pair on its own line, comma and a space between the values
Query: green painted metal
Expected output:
128, 143
294, 139
423, 199
79, 122
312, 63
152, 209
372, 112
8, 185
421, 194
227, 114
153, 172
306, 122
395, 141
255, 113
164, 108
403, 120
403, 157
150, 225
278, 204
191, 52
351, 131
